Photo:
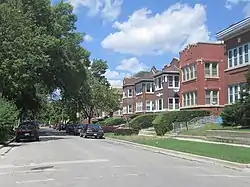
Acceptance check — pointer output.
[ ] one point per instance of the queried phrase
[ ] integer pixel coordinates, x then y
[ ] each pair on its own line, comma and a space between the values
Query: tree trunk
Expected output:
187, 125
89, 120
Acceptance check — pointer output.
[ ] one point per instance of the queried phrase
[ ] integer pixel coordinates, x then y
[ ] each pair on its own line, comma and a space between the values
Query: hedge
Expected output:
163, 122
113, 121
8, 118
125, 131
109, 129
143, 121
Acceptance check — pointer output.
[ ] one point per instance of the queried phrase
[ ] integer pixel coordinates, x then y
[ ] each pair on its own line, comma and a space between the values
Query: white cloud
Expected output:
112, 75
169, 31
246, 10
108, 9
115, 78
116, 83
132, 65
126, 68
88, 38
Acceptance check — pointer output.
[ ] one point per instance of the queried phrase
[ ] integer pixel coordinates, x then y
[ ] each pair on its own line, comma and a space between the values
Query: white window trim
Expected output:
131, 93
124, 95
157, 104
238, 57
173, 78
187, 70
139, 105
157, 83
131, 109
187, 96
151, 87
150, 104
211, 70
125, 110
233, 94
211, 97
174, 103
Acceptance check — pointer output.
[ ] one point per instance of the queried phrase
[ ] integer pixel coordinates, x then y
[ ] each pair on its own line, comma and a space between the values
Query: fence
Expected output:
193, 124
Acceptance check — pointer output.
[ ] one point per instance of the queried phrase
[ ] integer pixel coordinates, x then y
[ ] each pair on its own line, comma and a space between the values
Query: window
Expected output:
130, 109
148, 105
130, 94
189, 99
235, 57
138, 89
246, 52
230, 60
124, 110
212, 97
211, 70
234, 93
149, 87
176, 81
183, 74
238, 56
173, 81
138, 107
173, 103
189, 72
159, 104
124, 95
170, 81
158, 83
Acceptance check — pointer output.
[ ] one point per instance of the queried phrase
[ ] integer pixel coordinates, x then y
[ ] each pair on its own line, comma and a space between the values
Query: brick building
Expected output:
128, 98
202, 76
144, 93
167, 84
237, 48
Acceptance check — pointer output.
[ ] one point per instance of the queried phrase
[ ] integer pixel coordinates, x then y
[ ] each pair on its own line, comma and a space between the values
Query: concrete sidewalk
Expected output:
211, 142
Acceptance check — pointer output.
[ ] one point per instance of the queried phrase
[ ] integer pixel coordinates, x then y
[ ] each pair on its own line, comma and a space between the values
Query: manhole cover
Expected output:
42, 168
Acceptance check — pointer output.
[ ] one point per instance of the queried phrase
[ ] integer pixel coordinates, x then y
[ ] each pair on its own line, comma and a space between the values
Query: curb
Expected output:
185, 156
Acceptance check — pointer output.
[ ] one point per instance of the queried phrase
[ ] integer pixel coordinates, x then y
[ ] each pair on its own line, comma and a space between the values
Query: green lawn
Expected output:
224, 152
202, 131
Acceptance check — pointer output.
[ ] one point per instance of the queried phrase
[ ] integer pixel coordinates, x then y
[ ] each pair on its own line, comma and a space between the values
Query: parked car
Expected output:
61, 127
78, 128
27, 131
92, 130
70, 128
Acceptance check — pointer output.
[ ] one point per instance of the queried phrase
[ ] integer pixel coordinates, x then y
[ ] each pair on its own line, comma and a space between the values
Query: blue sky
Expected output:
135, 35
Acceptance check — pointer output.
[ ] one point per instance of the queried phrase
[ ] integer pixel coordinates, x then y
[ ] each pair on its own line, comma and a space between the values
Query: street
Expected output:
71, 161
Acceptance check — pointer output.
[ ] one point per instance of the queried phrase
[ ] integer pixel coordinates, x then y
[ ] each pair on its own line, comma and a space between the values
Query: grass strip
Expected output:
224, 152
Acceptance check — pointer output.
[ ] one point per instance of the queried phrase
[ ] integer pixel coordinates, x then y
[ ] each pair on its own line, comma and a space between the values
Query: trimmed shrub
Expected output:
113, 122
163, 122
125, 131
8, 118
233, 115
109, 129
143, 121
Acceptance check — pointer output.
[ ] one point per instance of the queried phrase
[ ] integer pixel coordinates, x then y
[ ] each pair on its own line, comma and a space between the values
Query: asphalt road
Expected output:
69, 161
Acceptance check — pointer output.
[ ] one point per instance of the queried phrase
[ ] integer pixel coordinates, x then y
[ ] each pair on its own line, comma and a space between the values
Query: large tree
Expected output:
40, 51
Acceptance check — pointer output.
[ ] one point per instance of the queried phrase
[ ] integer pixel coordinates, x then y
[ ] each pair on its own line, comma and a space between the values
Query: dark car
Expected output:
27, 131
78, 128
61, 127
92, 130
70, 128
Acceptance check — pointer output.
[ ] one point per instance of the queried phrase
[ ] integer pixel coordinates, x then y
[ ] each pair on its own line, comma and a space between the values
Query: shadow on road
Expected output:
51, 138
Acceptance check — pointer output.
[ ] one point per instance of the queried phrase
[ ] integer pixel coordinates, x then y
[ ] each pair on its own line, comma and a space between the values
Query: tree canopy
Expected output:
41, 51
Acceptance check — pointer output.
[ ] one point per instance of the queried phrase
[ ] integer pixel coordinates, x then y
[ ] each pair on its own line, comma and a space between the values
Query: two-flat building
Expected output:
237, 48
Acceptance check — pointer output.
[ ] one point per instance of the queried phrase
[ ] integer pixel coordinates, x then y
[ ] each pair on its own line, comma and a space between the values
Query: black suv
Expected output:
92, 130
